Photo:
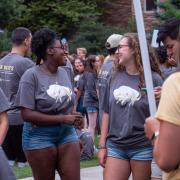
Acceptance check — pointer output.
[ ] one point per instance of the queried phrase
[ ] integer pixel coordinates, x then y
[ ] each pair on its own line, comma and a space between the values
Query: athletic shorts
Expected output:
143, 154
38, 137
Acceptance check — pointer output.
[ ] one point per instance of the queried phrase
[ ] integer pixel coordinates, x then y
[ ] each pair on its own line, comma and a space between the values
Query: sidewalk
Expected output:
94, 173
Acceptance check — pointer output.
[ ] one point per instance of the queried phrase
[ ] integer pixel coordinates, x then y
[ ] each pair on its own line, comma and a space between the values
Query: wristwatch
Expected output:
155, 135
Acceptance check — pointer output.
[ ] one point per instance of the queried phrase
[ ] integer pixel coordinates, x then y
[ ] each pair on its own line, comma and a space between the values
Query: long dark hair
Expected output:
90, 64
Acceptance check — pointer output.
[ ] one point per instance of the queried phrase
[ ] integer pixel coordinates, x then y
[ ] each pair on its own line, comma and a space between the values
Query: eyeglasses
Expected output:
123, 45
59, 47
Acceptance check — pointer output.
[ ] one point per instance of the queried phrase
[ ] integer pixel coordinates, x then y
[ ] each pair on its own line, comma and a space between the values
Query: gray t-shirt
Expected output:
69, 69
103, 77
50, 94
4, 104
90, 93
12, 67
167, 71
127, 107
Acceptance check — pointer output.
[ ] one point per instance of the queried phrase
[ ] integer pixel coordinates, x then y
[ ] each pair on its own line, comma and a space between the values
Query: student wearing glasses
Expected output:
46, 99
123, 146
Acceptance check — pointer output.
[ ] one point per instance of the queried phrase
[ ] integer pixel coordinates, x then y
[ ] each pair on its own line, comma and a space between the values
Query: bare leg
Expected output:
69, 161
85, 122
141, 170
43, 163
92, 123
116, 169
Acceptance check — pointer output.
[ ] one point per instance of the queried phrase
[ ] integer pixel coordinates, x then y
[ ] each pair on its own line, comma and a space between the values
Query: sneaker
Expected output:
11, 162
21, 164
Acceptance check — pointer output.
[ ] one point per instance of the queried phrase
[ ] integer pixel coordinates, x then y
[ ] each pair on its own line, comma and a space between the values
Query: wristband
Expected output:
101, 147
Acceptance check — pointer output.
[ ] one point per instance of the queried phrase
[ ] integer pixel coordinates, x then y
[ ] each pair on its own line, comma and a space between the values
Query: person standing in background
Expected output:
90, 101
104, 74
12, 67
82, 53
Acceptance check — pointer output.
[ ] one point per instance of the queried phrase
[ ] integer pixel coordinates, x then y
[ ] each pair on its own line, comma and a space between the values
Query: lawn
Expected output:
26, 171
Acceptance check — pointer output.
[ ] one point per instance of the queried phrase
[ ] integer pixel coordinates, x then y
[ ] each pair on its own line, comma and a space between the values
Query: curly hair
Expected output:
170, 28
41, 40
133, 43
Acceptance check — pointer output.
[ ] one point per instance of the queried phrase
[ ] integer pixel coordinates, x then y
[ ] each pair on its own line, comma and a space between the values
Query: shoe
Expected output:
21, 164
11, 162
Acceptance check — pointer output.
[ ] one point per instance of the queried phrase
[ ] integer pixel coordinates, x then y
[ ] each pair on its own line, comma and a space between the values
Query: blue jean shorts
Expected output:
91, 109
143, 154
38, 137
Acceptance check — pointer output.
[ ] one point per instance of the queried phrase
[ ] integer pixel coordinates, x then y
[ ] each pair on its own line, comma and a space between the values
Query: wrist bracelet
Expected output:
102, 147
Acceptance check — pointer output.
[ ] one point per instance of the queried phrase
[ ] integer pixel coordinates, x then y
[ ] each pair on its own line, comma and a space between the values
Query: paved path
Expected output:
92, 173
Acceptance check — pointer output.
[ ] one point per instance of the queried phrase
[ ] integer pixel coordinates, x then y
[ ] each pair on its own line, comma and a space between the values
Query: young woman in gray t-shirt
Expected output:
46, 99
123, 146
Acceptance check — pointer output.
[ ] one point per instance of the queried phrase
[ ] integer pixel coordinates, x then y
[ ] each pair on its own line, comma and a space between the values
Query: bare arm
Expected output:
104, 129
167, 146
3, 126
39, 118
102, 154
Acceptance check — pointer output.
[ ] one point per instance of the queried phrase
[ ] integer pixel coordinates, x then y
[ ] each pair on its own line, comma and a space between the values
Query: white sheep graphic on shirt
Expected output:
57, 92
125, 94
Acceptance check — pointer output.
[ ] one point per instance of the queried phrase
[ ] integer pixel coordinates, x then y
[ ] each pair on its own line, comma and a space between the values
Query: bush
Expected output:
5, 44
92, 35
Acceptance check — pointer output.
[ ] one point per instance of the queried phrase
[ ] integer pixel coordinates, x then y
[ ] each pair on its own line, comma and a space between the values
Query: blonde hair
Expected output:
84, 50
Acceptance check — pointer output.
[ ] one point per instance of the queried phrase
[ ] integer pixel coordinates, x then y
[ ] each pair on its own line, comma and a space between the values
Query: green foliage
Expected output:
60, 15
8, 10
5, 44
92, 35
171, 8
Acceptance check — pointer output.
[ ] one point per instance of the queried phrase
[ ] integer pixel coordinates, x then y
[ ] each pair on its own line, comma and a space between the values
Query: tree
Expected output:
8, 10
170, 9
92, 35
61, 15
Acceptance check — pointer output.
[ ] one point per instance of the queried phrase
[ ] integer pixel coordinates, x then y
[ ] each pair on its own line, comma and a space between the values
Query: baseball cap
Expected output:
113, 41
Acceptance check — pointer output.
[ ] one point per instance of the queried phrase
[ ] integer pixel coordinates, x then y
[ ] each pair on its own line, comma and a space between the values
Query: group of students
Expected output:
44, 100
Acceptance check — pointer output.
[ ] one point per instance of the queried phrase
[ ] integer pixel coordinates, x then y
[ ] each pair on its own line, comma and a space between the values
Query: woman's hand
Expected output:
151, 126
102, 155
75, 119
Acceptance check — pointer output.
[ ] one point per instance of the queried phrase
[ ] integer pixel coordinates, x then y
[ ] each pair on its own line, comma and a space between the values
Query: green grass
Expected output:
22, 172
26, 171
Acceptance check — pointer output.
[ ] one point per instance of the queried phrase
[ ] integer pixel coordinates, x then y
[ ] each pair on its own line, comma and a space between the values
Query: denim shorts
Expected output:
143, 154
91, 109
38, 137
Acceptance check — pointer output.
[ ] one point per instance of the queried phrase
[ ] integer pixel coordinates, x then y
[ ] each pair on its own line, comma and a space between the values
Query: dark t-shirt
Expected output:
50, 94
127, 107
90, 93
103, 77
12, 67
166, 72
4, 104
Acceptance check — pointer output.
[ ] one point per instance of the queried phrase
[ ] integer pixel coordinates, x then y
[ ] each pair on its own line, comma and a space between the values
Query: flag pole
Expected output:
145, 56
